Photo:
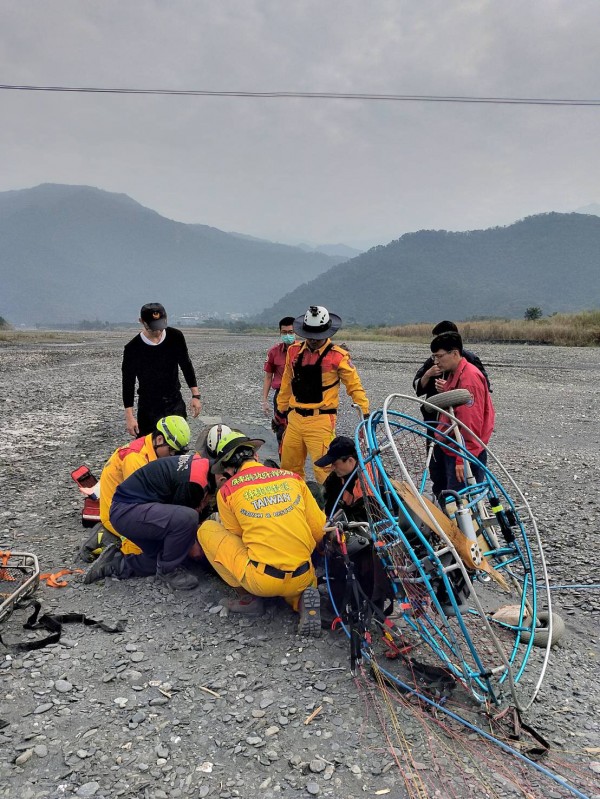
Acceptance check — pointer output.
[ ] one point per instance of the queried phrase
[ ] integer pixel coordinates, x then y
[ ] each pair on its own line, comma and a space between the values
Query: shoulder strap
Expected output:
327, 349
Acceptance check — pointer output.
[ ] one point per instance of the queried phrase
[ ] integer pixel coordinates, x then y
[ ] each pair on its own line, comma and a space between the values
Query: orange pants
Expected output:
304, 435
228, 555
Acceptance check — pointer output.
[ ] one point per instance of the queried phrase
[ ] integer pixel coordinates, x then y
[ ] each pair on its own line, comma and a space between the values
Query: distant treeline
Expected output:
562, 330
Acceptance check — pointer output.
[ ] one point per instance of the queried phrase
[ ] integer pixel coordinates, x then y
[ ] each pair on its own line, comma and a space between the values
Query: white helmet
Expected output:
316, 316
317, 323
214, 435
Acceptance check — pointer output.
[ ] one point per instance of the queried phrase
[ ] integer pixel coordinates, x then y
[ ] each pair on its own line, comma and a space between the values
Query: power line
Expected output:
418, 98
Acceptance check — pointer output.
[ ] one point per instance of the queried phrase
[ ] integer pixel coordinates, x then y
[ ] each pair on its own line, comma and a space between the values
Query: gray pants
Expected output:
165, 533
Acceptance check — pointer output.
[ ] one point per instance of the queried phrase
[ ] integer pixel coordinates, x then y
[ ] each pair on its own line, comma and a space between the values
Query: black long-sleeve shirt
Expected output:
156, 367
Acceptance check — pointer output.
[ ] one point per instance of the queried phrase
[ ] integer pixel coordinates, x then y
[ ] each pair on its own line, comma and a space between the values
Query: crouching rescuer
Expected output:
172, 436
158, 508
269, 527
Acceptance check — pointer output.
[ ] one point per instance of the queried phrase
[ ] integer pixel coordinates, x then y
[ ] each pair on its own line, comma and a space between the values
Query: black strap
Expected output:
53, 624
273, 571
519, 724
319, 360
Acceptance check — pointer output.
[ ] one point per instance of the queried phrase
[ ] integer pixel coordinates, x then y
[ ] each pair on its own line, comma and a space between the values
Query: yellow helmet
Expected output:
175, 430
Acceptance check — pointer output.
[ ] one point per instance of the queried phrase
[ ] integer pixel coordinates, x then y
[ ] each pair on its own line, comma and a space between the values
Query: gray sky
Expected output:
308, 170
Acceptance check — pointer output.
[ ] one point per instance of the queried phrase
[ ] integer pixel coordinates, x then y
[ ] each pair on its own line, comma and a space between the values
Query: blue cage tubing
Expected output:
365, 435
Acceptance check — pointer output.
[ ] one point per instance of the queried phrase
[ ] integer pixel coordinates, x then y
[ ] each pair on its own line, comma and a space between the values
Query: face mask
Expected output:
288, 338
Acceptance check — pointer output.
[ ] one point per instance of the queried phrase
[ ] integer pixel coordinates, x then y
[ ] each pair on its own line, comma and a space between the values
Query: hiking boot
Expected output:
96, 542
310, 613
107, 564
248, 604
180, 579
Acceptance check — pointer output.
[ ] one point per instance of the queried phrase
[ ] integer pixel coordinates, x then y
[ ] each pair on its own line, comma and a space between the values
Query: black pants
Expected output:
165, 533
148, 415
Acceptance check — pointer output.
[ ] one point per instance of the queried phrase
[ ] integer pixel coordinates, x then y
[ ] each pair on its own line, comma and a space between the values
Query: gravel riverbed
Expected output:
190, 702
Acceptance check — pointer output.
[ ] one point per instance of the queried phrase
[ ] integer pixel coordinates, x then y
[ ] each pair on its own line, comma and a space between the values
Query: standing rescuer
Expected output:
154, 358
310, 389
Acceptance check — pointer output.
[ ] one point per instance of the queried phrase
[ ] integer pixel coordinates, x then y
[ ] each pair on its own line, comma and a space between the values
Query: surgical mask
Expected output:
288, 338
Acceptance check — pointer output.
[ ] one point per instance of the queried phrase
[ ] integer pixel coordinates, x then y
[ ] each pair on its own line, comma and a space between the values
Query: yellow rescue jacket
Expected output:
274, 513
122, 463
336, 366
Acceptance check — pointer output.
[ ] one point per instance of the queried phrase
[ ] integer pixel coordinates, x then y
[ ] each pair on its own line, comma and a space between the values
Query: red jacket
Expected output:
275, 363
478, 415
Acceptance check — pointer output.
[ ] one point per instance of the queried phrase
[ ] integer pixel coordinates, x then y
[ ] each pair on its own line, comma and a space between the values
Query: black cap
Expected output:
154, 315
340, 447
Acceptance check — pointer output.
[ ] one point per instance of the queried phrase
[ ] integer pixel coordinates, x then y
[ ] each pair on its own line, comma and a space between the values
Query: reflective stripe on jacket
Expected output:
121, 465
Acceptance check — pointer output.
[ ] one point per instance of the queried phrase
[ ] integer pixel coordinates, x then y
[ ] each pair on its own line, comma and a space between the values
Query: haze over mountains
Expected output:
550, 260
69, 253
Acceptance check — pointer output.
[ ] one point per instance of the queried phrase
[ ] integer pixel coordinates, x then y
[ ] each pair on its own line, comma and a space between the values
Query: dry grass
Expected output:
35, 336
565, 330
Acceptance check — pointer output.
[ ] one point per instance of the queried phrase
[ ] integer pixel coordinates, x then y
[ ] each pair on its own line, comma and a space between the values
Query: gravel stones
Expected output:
43, 708
88, 789
136, 719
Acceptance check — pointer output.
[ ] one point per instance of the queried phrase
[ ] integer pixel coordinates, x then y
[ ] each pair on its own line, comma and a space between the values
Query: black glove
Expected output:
280, 417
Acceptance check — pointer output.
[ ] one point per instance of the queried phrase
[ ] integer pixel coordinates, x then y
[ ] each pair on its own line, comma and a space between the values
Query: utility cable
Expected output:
418, 98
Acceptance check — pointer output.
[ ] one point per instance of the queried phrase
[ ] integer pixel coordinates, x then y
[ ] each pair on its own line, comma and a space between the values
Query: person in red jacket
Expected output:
273, 369
478, 415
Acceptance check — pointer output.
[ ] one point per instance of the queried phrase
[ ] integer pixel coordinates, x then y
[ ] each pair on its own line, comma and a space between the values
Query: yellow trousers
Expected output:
307, 435
228, 555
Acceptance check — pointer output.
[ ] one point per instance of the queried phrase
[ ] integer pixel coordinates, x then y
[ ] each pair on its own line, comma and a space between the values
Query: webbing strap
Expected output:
53, 624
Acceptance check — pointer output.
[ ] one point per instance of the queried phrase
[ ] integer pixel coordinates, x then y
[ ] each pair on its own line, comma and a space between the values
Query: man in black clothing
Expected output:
159, 507
424, 385
342, 487
154, 358
343, 492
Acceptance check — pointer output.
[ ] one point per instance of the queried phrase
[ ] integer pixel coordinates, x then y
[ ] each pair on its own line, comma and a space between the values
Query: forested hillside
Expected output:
551, 261
74, 252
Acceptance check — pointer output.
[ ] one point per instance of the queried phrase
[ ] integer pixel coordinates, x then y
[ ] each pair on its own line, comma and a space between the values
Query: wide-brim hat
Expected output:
317, 323
241, 442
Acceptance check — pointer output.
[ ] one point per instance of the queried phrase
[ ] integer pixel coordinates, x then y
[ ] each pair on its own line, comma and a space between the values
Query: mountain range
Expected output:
72, 253
551, 261
69, 253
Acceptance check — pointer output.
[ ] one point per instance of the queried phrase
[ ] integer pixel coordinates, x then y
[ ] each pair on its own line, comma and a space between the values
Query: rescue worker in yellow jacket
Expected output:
310, 389
269, 526
171, 437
